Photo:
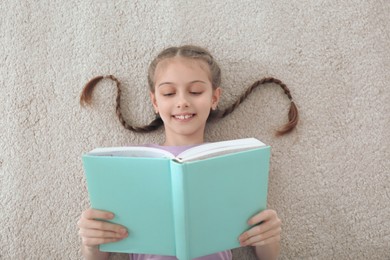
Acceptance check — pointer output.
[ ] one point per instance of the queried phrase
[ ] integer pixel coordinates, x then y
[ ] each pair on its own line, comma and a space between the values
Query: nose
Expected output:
182, 101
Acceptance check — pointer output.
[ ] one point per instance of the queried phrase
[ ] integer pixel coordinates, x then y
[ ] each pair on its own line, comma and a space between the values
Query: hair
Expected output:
195, 53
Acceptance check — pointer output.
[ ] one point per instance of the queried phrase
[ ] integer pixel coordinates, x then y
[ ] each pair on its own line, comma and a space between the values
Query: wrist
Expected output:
87, 248
269, 251
93, 252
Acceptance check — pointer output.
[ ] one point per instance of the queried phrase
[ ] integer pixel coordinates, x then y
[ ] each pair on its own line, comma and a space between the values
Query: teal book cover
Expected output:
180, 208
138, 191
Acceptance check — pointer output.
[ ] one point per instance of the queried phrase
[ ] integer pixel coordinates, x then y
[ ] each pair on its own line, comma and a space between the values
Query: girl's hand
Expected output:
267, 232
96, 232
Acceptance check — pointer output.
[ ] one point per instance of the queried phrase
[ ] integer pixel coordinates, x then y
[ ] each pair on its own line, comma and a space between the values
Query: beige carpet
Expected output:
329, 180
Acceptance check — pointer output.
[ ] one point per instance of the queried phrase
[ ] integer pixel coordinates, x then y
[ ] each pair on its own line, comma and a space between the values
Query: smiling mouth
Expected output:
184, 117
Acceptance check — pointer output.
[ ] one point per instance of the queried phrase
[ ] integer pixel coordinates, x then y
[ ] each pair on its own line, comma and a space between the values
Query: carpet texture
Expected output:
329, 179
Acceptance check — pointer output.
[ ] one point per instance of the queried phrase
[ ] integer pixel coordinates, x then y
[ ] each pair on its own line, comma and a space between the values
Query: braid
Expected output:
86, 98
292, 114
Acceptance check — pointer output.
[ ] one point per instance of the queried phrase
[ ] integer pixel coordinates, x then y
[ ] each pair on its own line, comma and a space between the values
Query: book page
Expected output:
132, 151
218, 148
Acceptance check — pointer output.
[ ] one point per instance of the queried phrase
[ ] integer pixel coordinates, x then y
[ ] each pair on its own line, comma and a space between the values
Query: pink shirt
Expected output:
224, 255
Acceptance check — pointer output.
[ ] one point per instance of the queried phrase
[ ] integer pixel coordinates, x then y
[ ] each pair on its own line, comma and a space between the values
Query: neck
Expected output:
183, 141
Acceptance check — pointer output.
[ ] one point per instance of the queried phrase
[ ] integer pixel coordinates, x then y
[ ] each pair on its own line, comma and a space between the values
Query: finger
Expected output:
261, 237
92, 241
261, 229
97, 214
95, 233
91, 219
101, 225
270, 240
262, 216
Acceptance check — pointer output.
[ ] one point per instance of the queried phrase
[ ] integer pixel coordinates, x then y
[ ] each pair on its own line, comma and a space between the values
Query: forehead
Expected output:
171, 65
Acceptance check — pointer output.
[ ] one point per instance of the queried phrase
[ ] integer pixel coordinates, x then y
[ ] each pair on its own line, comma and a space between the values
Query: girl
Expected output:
184, 90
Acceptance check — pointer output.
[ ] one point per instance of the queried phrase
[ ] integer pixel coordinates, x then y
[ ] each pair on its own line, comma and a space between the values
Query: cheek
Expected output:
206, 103
204, 108
163, 108
158, 101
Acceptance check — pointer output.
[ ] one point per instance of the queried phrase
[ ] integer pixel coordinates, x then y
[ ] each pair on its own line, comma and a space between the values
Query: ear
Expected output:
215, 98
154, 101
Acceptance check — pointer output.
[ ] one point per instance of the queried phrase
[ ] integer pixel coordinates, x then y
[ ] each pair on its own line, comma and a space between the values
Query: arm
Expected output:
265, 237
95, 232
90, 253
270, 251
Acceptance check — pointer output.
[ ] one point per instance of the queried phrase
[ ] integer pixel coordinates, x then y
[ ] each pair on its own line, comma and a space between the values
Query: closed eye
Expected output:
168, 94
195, 93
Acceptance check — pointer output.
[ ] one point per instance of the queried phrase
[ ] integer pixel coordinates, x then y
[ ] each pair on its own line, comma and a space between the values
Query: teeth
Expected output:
182, 117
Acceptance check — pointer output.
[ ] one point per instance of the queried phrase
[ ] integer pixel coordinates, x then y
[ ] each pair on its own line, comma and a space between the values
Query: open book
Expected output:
195, 153
191, 205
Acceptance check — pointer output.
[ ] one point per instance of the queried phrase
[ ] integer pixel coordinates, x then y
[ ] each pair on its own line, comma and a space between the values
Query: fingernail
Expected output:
122, 231
110, 215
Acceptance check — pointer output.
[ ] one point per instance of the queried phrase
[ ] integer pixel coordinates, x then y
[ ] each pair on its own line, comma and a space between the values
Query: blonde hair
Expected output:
190, 52
195, 53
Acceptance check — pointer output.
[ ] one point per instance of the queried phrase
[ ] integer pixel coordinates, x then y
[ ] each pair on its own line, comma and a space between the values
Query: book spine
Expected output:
179, 199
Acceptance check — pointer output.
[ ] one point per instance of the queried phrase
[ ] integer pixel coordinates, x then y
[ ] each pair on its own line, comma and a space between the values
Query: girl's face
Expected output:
183, 96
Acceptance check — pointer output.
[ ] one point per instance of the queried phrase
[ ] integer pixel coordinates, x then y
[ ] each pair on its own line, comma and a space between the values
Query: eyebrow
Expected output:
171, 83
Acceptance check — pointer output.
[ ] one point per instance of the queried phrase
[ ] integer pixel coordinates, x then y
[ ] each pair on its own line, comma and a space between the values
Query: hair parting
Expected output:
292, 114
86, 98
